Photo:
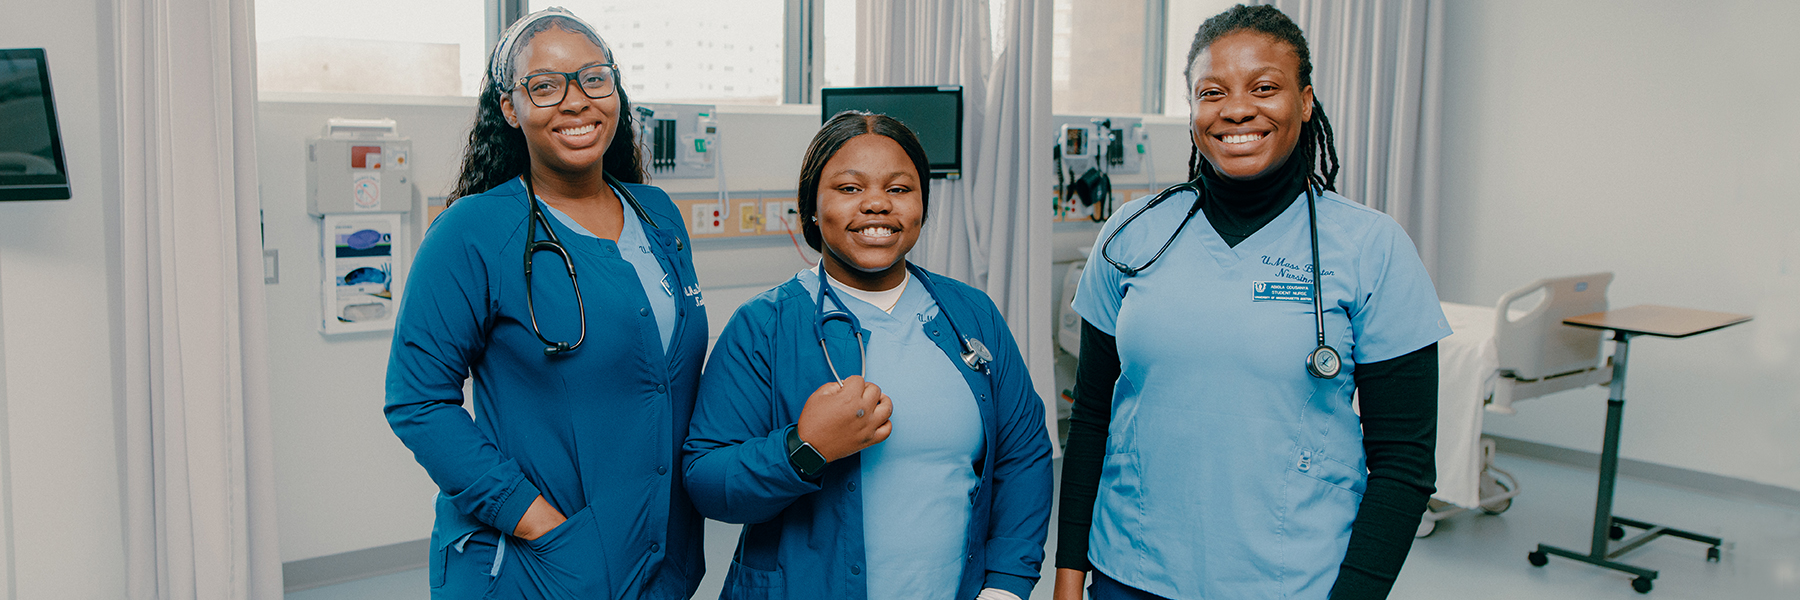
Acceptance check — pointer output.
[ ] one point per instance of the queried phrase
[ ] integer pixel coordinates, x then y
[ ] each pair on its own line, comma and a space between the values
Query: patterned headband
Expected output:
501, 61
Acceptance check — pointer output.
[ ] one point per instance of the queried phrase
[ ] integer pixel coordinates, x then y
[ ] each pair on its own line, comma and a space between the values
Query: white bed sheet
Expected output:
1468, 368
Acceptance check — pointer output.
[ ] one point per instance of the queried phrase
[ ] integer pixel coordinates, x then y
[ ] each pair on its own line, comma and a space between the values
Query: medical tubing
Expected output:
1199, 196
1312, 212
533, 218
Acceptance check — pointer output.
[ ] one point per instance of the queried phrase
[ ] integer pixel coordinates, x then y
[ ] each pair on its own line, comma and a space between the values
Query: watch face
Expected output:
808, 459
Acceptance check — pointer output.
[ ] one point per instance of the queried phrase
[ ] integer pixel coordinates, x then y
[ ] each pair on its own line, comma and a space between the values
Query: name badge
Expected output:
1280, 291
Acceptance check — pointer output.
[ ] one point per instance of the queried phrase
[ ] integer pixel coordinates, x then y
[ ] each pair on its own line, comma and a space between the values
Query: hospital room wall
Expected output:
56, 342
1656, 140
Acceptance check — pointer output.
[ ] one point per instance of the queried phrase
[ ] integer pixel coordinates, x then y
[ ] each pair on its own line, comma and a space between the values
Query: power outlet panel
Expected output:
709, 218
780, 217
749, 220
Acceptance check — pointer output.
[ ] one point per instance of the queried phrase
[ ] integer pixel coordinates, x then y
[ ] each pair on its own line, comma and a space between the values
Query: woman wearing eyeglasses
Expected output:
578, 316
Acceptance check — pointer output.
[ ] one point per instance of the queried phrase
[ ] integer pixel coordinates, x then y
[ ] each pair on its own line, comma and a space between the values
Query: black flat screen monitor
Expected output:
932, 112
31, 155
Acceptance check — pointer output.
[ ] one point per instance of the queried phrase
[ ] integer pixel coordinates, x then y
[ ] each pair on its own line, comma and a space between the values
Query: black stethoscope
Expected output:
974, 353
1323, 362
553, 244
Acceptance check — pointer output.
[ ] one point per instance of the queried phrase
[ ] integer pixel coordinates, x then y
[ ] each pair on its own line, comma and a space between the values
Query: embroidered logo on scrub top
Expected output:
1288, 269
693, 291
1280, 291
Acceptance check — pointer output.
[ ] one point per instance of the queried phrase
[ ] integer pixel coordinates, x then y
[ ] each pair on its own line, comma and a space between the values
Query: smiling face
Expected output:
569, 138
1247, 103
869, 212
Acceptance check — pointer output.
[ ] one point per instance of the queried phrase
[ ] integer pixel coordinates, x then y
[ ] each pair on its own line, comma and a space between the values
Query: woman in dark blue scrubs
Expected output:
585, 348
929, 480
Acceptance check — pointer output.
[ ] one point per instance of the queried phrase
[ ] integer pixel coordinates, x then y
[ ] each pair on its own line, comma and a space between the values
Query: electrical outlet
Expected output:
709, 218
780, 216
749, 221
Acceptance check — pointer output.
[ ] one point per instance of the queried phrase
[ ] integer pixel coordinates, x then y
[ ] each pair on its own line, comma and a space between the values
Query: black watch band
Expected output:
805, 459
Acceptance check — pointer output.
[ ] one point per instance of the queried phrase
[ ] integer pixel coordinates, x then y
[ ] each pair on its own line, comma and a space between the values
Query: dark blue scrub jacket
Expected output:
596, 431
804, 539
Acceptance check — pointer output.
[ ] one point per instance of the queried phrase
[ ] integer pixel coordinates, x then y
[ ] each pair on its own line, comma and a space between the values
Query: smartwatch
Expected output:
805, 459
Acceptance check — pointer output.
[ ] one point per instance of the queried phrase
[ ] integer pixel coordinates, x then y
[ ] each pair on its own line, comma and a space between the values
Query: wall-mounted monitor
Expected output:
932, 112
31, 154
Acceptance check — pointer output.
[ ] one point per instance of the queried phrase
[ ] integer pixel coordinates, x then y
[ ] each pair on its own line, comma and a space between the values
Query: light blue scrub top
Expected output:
634, 247
919, 480
1230, 472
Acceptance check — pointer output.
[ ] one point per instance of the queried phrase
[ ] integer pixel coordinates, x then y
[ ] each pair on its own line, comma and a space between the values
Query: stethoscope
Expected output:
974, 353
551, 243
1323, 362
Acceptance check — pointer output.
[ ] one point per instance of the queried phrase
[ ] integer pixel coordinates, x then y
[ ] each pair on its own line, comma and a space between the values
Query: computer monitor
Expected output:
31, 154
932, 112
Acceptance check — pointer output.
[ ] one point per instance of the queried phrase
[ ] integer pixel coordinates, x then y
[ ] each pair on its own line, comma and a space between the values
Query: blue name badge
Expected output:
1280, 291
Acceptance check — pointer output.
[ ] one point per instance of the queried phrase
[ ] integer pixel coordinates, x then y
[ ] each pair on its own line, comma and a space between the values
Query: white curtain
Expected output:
195, 448
1378, 73
990, 229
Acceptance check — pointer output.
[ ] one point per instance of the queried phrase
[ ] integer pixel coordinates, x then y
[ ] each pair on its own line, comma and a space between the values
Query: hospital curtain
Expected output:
1378, 73
194, 432
988, 229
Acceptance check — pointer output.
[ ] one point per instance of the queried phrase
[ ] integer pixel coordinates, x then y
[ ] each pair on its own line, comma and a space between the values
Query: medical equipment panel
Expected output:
678, 141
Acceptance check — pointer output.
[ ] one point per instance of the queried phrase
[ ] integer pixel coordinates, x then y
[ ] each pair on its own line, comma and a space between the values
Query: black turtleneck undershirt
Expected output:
1398, 402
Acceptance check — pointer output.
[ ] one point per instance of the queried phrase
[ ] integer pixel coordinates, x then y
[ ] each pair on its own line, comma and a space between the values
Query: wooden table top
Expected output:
1663, 321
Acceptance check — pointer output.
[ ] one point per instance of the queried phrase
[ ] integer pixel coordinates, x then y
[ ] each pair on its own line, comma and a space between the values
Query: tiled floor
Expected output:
1480, 557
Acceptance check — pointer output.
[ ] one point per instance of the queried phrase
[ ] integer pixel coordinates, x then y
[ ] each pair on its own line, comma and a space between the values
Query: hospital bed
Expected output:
1514, 350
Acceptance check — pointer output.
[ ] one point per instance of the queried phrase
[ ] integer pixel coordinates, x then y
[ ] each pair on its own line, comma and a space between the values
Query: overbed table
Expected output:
1626, 323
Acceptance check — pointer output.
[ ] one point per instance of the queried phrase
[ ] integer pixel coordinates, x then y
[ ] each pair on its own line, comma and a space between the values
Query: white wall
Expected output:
55, 331
1657, 140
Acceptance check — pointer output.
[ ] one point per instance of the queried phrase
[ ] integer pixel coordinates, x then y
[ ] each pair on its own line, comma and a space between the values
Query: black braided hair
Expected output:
496, 150
1316, 138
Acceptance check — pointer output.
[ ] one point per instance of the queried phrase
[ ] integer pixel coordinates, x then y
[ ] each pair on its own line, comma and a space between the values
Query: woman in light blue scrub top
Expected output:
863, 431
1207, 458
566, 289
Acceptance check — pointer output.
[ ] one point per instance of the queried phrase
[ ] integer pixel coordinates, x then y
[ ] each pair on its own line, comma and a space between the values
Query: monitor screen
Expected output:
932, 112
31, 156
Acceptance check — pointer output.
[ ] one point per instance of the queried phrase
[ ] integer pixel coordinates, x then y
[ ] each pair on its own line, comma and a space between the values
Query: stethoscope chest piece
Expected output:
975, 354
1324, 363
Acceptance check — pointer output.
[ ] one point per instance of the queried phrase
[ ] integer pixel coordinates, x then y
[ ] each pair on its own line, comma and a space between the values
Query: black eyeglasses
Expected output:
549, 89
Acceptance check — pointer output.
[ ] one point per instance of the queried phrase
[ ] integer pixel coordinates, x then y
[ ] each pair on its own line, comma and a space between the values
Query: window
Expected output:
1098, 54
414, 47
700, 51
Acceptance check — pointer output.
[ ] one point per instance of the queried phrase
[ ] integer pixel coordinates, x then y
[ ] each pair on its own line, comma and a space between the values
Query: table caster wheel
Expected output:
1426, 526
1712, 554
1537, 558
1615, 532
1641, 584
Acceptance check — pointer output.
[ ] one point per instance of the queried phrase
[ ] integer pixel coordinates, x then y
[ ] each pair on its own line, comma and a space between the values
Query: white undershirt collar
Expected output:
885, 300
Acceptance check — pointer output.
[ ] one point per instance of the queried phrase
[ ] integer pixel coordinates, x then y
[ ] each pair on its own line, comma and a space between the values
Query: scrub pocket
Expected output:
568, 563
1323, 496
745, 583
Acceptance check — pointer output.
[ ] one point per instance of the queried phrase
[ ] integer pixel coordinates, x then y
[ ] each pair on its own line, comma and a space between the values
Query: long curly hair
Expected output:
497, 152
1316, 139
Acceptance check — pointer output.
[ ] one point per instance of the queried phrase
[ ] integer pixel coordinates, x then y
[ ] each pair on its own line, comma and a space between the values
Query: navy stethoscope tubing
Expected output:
1323, 362
974, 353
551, 243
